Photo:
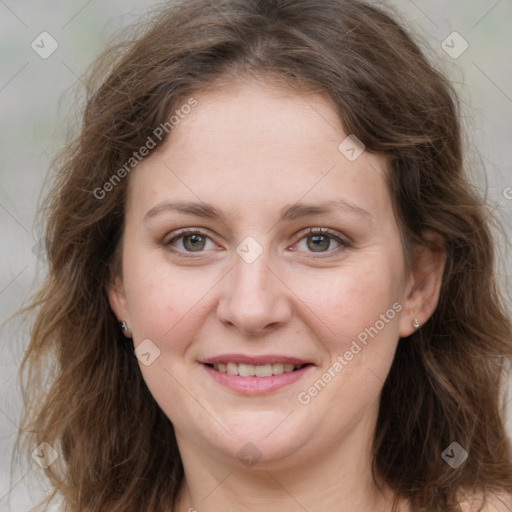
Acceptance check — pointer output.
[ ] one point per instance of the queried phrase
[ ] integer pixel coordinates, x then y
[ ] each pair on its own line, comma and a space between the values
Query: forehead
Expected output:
274, 112
253, 139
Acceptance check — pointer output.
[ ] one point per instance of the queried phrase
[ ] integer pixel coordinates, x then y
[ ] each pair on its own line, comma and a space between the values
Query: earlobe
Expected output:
422, 295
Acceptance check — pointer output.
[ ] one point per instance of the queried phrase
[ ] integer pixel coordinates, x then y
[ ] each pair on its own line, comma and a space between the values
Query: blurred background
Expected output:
45, 48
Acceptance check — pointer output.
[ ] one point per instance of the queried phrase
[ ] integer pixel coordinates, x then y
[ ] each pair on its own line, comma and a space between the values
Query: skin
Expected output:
251, 149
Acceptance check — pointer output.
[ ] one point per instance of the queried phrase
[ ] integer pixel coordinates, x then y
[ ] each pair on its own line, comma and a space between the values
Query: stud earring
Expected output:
416, 323
126, 330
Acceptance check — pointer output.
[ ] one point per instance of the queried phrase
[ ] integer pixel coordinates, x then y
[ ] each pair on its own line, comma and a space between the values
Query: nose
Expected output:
255, 298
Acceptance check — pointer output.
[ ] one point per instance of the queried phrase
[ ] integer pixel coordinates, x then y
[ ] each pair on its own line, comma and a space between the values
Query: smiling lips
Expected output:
260, 370
254, 375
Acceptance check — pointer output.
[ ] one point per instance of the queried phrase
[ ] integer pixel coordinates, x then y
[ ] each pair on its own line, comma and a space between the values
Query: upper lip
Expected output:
254, 360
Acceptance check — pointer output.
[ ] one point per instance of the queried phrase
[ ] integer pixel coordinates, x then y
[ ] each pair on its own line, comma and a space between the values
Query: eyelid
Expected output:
344, 241
184, 232
324, 231
187, 231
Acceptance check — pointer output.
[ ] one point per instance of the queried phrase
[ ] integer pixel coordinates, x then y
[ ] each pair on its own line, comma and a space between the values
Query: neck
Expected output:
338, 479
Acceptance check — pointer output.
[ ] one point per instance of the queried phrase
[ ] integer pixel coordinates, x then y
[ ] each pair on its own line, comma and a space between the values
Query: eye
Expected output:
317, 240
320, 240
191, 240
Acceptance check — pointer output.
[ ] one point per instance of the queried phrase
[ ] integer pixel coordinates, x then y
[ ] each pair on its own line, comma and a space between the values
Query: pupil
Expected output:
194, 242
319, 238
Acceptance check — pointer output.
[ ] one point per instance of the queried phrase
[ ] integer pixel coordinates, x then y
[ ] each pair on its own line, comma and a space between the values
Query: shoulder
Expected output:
494, 503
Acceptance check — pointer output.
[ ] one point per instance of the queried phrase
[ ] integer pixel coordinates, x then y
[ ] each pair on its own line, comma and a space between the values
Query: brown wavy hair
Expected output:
83, 388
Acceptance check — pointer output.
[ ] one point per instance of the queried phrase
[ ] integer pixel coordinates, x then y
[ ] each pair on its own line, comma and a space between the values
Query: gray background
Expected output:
35, 103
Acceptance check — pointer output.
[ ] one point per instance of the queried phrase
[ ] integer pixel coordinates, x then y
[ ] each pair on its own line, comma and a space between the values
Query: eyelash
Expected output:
344, 244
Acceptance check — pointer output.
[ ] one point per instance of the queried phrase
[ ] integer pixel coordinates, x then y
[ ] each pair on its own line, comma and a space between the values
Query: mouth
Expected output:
260, 370
257, 375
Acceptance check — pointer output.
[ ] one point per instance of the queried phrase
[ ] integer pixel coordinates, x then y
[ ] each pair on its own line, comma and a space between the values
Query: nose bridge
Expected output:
253, 297
251, 275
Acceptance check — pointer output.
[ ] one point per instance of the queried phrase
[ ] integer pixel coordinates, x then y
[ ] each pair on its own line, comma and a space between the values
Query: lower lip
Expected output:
256, 385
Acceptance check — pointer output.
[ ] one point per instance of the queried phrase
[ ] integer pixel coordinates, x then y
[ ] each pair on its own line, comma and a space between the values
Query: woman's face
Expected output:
219, 267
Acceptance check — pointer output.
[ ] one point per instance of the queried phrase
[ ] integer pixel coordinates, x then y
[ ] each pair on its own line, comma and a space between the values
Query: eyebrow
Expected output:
287, 214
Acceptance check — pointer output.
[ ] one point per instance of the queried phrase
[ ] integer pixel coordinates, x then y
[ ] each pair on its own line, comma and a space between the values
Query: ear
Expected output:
424, 284
117, 299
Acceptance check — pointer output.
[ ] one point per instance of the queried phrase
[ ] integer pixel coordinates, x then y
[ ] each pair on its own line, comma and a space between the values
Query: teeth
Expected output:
232, 368
263, 370
246, 370
277, 368
260, 370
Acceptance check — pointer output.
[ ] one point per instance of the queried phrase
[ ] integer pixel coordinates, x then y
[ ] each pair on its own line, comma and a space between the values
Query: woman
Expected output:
271, 285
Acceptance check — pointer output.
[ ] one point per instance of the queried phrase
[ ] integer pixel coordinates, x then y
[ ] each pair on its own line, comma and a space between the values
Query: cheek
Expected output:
354, 313
356, 320
347, 300
164, 302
